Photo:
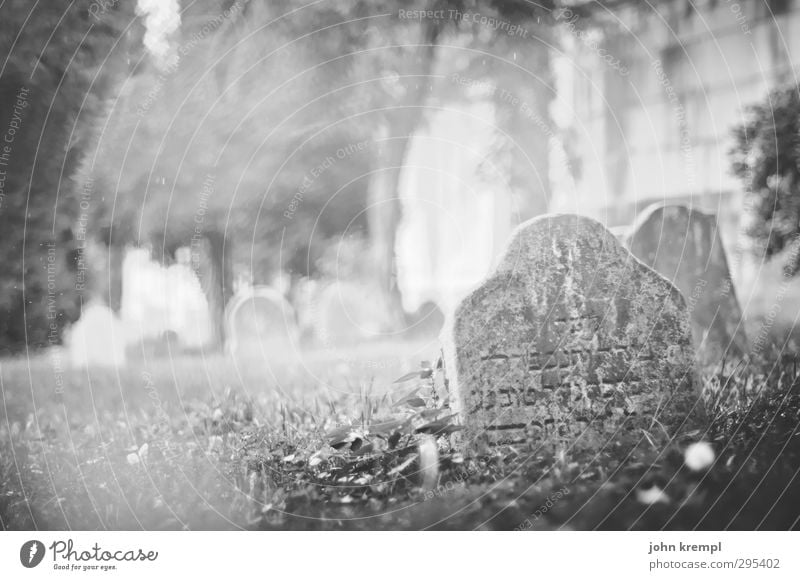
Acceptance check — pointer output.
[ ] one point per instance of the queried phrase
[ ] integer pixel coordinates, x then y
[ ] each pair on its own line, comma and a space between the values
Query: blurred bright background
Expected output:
348, 171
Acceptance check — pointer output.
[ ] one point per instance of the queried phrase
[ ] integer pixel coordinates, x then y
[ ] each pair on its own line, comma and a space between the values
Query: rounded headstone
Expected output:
571, 343
260, 322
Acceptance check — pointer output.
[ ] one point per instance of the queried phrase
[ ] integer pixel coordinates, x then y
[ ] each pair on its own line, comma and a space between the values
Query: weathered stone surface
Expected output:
259, 323
684, 246
570, 342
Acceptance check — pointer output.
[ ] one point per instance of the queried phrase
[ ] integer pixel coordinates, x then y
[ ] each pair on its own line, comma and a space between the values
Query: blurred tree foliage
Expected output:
766, 157
266, 132
278, 127
243, 147
59, 65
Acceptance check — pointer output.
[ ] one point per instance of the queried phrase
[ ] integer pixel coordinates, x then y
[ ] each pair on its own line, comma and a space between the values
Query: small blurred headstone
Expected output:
165, 344
97, 338
426, 322
684, 246
303, 294
348, 313
571, 342
260, 322
163, 307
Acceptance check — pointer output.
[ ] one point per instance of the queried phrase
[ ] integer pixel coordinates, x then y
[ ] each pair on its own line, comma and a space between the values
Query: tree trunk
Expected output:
532, 130
384, 216
211, 260
392, 141
531, 127
116, 256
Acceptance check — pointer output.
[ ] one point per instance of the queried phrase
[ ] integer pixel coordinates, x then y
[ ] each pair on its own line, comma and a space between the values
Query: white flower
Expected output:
651, 496
429, 462
139, 455
214, 442
699, 456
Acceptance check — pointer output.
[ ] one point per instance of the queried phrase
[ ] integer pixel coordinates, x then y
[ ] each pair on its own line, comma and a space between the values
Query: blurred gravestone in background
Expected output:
97, 339
163, 308
348, 313
261, 323
425, 322
571, 341
684, 246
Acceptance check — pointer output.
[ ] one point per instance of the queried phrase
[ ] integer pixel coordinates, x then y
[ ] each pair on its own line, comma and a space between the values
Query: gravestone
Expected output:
348, 313
684, 246
97, 338
425, 322
260, 323
570, 342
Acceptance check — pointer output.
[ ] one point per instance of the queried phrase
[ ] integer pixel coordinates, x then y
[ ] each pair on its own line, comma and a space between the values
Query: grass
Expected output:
201, 443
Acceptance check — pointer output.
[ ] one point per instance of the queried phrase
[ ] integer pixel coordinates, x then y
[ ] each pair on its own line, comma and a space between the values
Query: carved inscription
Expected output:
578, 372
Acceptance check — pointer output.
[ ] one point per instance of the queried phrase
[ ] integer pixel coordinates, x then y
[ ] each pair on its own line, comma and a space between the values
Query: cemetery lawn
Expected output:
193, 444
